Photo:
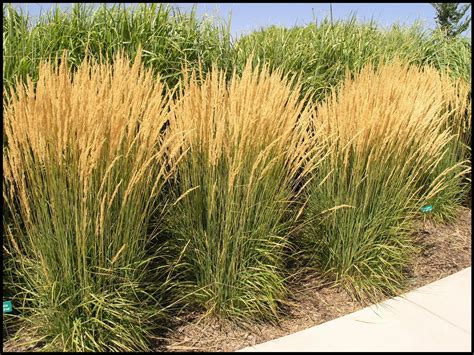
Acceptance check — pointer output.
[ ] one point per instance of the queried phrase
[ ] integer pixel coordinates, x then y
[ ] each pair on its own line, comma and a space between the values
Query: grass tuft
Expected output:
249, 154
386, 128
83, 171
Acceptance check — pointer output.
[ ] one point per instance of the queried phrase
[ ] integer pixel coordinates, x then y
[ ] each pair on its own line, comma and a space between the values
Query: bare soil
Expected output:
444, 250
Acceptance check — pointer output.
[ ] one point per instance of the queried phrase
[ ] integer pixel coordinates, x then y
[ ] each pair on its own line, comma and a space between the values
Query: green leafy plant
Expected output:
322, 51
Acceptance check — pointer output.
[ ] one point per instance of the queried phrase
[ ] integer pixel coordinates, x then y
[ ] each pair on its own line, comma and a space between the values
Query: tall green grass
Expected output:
248, 156
322, 52
168, 36
83, 171
387, 132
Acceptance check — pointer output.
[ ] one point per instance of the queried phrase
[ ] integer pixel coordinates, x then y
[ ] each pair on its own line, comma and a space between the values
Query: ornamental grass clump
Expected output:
388, 134
457, 185
248, 161
83, 170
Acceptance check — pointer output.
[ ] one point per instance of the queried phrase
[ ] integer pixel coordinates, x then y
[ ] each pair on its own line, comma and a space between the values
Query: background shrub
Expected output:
167, 36
323, 52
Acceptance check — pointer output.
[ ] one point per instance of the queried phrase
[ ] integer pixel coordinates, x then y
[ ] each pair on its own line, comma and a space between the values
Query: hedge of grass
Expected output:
322, 52
169, 38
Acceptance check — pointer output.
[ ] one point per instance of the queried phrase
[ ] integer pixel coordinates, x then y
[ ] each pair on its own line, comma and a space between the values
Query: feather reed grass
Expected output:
249, 157
90, 151
456, 185
83, 171
388, 133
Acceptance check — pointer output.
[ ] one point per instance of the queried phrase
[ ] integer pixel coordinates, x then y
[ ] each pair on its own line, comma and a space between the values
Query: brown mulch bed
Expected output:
445, 249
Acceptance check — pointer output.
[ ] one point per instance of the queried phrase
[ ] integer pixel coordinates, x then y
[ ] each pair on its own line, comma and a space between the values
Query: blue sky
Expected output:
250, 16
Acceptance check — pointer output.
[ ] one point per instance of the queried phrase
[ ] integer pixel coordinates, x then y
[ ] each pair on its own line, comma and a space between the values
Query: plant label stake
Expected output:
426, 209
7, 307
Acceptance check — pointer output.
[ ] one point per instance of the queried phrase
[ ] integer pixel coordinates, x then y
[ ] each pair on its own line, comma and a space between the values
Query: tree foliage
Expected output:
449, 17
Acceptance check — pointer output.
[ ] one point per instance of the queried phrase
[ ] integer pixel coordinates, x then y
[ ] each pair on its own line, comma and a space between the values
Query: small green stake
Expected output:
426, 209
7, 307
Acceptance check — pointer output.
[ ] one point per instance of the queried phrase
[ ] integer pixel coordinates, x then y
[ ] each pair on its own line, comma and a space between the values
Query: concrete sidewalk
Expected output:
436, 317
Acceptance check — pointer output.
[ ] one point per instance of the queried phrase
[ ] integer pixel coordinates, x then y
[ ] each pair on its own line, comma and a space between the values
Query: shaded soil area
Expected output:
444, 250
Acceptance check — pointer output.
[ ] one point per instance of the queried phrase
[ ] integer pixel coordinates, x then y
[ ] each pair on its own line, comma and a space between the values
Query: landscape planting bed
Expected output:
180, 191
444, 250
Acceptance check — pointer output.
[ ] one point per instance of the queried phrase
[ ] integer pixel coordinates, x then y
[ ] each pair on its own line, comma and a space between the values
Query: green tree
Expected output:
449, 17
